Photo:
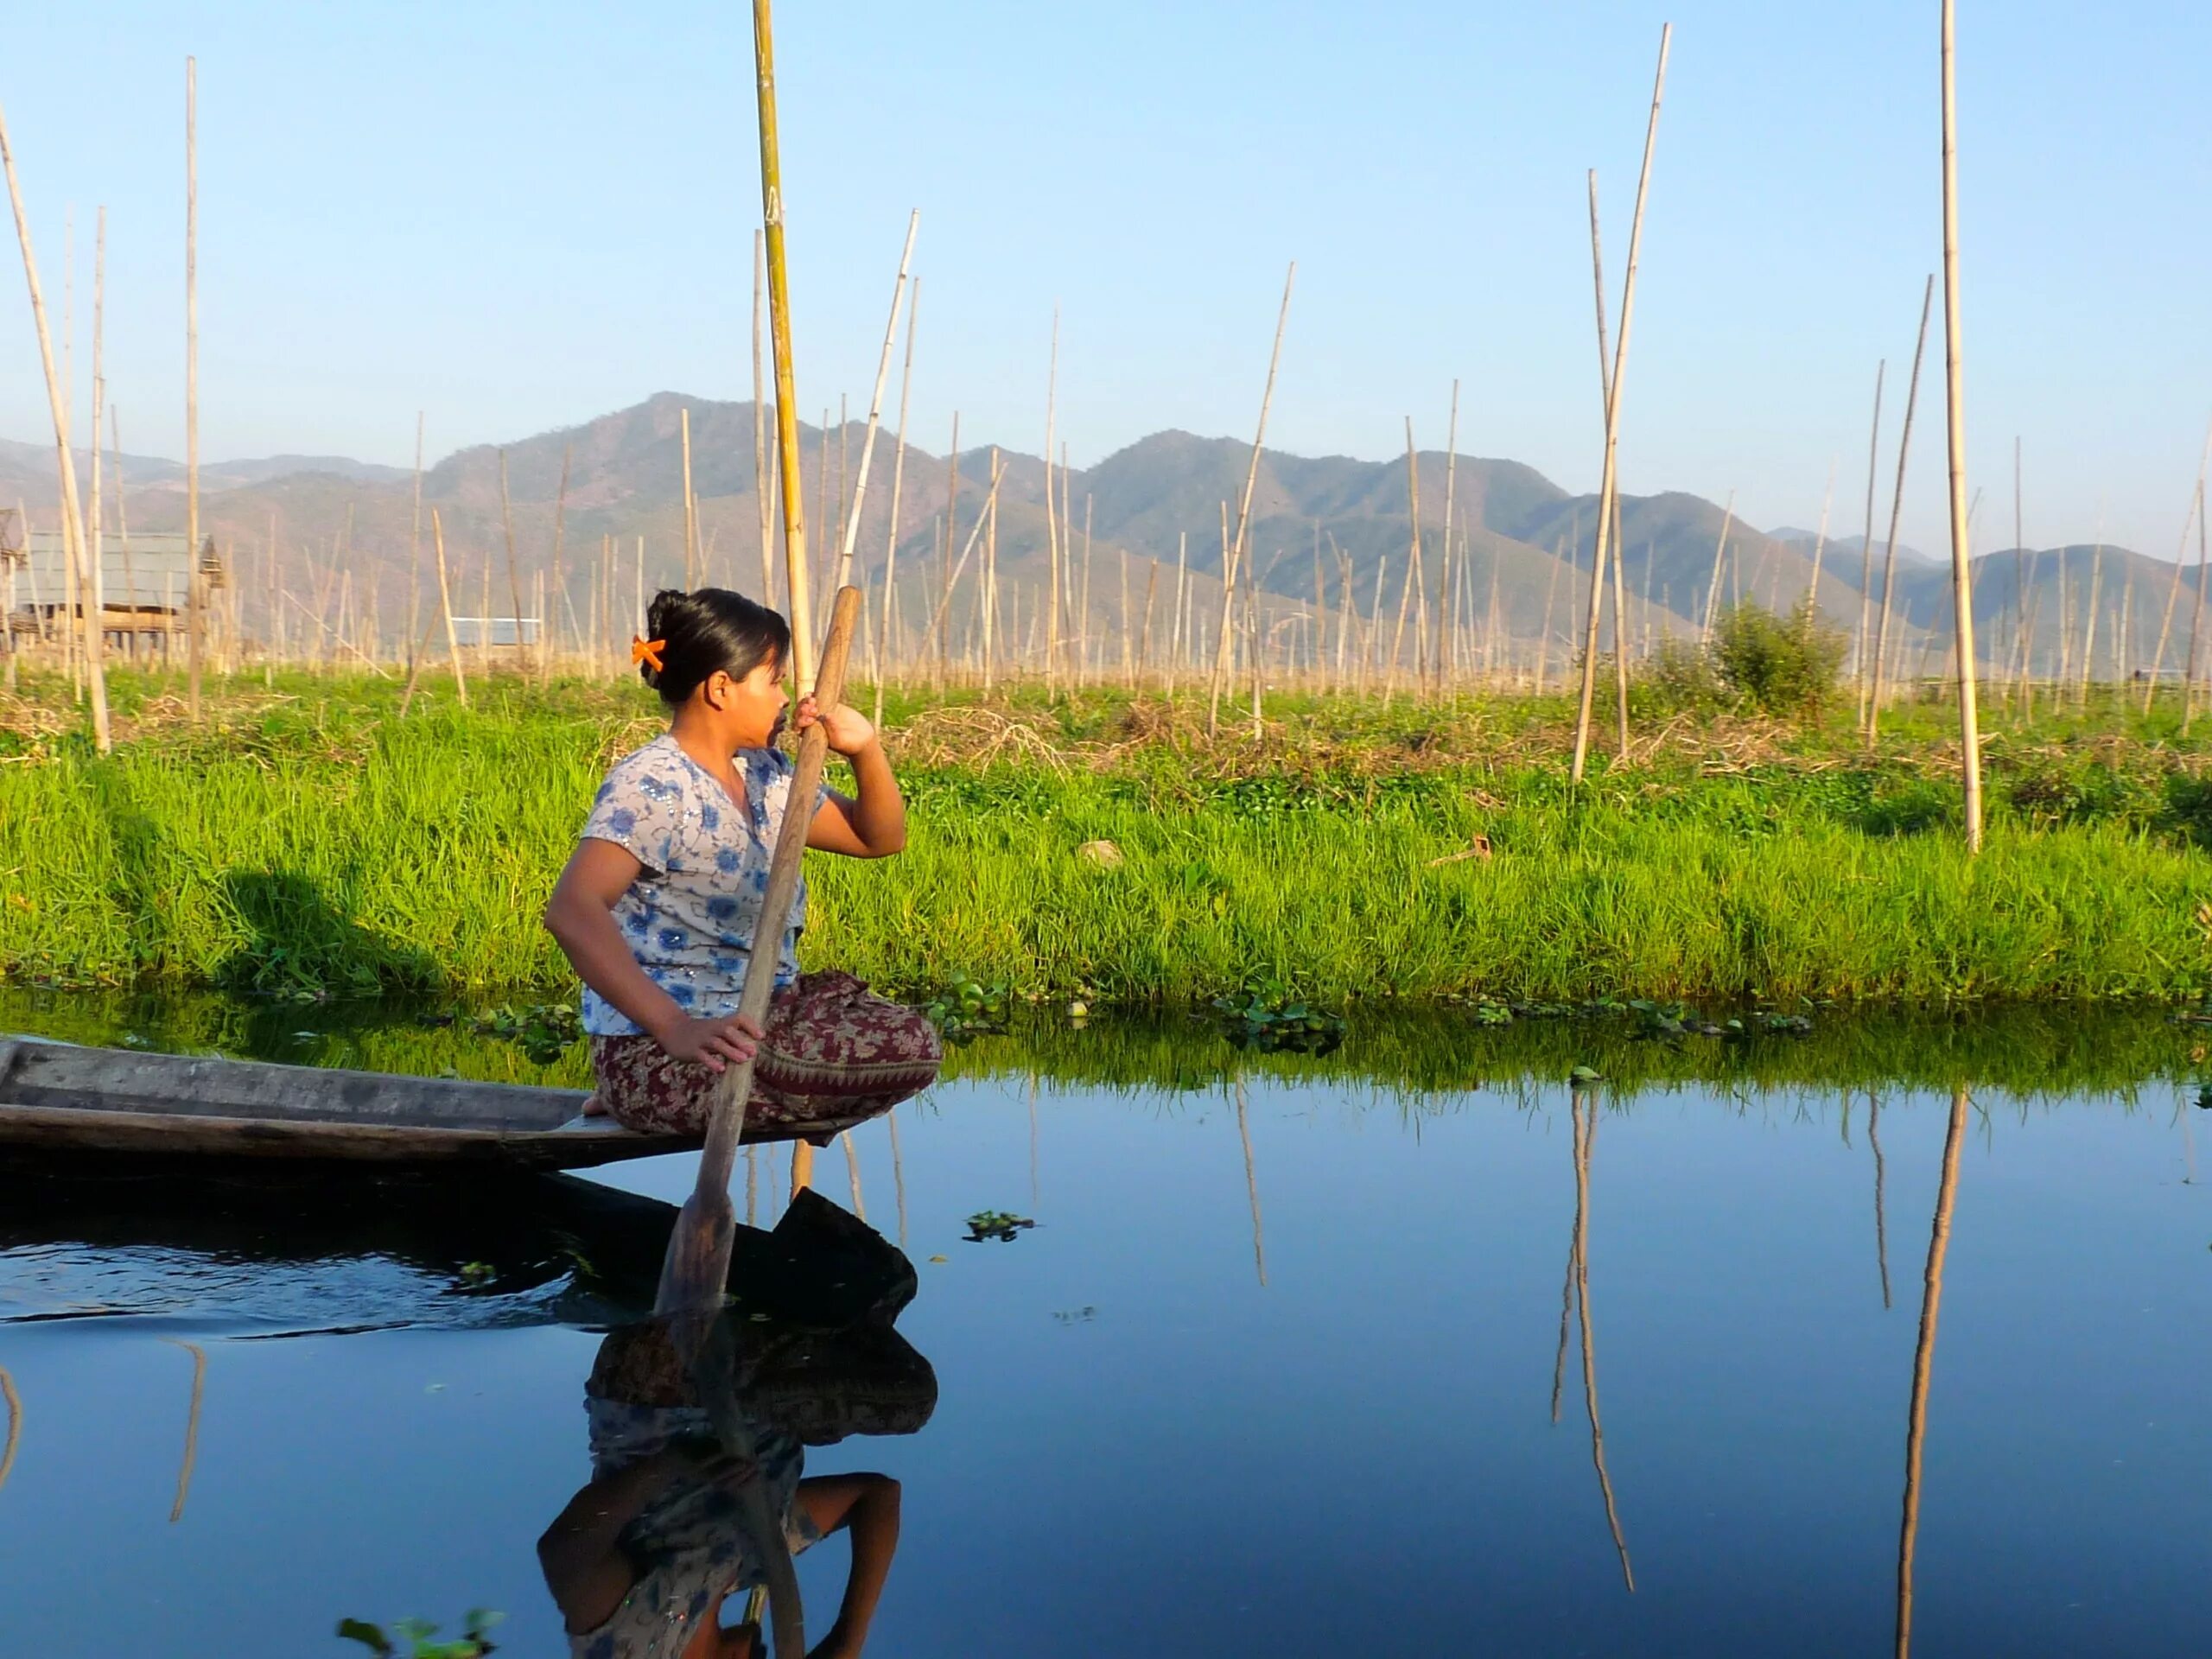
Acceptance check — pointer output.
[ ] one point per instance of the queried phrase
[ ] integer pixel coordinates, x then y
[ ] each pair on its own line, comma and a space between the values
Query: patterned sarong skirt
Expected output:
835, 1054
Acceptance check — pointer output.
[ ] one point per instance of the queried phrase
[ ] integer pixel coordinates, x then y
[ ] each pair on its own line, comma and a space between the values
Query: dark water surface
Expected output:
1292, 1363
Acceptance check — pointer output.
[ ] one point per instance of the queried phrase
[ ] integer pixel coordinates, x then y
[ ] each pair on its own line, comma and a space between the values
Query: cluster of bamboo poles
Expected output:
82, 521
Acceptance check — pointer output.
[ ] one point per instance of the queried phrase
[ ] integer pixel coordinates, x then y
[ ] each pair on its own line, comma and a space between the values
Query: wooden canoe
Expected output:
58, 1097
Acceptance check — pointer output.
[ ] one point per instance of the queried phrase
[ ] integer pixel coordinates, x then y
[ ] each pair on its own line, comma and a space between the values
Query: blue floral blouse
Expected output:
689, 917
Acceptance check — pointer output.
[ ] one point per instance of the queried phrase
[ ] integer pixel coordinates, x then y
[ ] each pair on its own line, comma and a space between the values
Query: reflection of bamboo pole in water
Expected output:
1574, 1262
1251, 1186
2187, 1151
191, 1425
897, 1174
15, 1424
1881, 1229
752, 1186
1032, 1143
1924, 1356
1586, 1145
853, 1169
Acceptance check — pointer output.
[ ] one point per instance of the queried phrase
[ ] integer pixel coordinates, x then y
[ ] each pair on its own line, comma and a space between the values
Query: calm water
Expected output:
1291, 1363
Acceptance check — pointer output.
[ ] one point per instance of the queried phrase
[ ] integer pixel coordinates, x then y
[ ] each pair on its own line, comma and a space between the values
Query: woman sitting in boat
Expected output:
658, 909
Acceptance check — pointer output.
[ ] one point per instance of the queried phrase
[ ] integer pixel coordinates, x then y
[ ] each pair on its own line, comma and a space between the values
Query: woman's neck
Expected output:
705, 742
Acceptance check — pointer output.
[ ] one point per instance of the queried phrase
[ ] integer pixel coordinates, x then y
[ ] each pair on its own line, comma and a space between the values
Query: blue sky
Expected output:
517, 217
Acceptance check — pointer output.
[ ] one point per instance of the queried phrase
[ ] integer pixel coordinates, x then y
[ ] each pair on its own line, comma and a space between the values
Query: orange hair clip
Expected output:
647, 651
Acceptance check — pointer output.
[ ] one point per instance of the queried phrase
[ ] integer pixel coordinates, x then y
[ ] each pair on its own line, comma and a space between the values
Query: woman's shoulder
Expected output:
654, 763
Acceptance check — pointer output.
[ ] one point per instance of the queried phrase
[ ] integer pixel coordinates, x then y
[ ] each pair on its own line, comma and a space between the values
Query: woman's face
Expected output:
752, 708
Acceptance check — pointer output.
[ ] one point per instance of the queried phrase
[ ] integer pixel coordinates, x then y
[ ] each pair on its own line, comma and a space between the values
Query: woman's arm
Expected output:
581, 1553
580, 917
872, 823
869, 1505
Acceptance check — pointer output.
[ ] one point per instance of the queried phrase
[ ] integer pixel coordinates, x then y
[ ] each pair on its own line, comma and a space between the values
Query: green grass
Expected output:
312, 842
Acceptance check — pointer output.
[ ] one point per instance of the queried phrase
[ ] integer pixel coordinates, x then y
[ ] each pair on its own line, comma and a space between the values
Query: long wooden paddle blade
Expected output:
696, 1269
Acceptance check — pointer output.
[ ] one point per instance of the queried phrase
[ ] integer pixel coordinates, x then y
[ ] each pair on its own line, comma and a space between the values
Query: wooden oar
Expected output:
697, 1264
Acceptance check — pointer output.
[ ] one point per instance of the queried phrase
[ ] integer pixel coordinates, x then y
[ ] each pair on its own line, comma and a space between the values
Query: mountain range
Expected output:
1158, 499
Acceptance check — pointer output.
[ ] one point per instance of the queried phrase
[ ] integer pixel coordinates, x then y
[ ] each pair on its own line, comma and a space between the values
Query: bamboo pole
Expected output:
72, 516
445, 609
1609, 505
1609, 480
1819, 546
1451, 466
1051, 519
123, 525
690, 507
2166, 622
1923, 1353
875, 403
414, 555
2019, 567
1873, 718
1244, 509
990, 583
514, 575
95, 591
1955, 404
2195, 626
1719, 555
1413, 564
898, 486
195, 585
1083, 612
771, 201
2090, 623
1860, 669
760, 485
559, 573
935, 637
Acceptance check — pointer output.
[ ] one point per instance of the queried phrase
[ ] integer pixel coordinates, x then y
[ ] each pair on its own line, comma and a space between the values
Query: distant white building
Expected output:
495, 631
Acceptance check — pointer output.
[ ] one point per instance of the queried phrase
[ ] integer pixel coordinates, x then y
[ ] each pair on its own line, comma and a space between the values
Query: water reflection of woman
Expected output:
642, 1559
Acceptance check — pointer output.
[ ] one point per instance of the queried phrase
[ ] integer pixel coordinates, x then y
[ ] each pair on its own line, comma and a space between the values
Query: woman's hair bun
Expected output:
705, 632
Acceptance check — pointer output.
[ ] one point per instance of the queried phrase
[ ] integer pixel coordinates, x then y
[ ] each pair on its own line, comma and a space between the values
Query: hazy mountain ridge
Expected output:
625, 477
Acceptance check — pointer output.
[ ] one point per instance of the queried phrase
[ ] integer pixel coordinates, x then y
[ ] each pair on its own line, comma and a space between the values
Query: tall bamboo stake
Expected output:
123, 525
1860, 670
1961, 549
445, 609
1609, 505
1819, 546
1609, 480
760, 483
2195, 625
897, 484
1451, 463
1244, 509
1413, 564
1052, 518
772, 202
1873, 712
2166, 622
72, 527
95, 588
990, 584
876, 401
690, 506
1720, 554
414, 554
195, 585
